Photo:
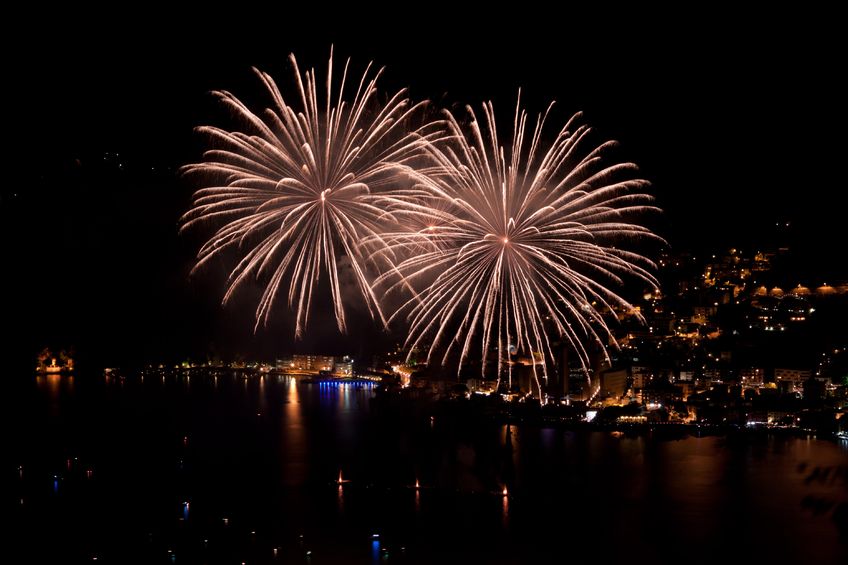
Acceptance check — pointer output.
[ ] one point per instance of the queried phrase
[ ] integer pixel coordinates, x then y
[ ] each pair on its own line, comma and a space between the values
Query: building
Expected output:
661, 392
794, 376
312, 363
614, 382
284, 364
641, 376
752, 376
686, 376
343, 366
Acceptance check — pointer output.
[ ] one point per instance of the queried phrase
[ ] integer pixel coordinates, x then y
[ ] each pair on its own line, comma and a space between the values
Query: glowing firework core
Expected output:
268, 188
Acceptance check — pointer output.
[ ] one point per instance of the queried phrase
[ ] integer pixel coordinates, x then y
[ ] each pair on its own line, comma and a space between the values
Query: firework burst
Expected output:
516, 245
297, 187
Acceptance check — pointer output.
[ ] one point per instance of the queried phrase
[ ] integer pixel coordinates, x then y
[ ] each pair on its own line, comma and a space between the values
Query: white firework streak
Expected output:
300, 186
520, 243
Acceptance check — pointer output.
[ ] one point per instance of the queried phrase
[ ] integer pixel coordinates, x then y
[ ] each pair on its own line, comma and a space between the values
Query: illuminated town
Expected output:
704, 359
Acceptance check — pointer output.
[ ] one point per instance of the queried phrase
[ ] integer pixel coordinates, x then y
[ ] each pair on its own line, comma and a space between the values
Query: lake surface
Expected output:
235, 469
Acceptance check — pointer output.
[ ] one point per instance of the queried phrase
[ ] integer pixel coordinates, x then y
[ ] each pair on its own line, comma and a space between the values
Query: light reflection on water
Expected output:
276, 474
294, 443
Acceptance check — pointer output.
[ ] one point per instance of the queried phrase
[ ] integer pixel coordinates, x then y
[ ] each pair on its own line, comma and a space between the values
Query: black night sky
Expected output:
737, 119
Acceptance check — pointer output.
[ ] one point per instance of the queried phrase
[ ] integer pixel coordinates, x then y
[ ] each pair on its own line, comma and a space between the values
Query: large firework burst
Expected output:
517, 245
298, 187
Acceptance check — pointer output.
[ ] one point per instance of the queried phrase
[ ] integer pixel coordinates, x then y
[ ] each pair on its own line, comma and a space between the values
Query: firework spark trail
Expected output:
517, 240
299, 186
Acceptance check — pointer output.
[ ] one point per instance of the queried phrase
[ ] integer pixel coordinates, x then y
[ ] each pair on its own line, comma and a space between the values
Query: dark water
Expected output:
109, 465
